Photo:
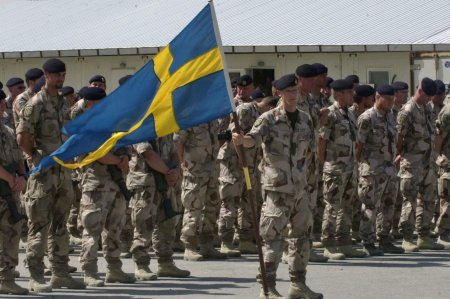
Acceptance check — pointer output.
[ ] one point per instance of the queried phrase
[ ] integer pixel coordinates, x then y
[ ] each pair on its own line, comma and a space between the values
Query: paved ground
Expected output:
419, 275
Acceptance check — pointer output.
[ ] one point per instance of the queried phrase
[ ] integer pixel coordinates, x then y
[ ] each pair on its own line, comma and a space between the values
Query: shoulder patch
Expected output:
27, 110
258, 122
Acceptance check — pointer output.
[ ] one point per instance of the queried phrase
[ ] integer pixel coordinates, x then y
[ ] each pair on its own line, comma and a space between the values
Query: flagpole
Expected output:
241, 156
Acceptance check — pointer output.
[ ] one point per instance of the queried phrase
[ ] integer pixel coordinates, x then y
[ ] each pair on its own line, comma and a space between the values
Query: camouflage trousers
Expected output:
201, 207
9, 242
280, 210
443, 221
235, 209
47, 203
338, 193
418, 192
397, 206
377, 194
102, 216
73, 225
151, 226
126, 236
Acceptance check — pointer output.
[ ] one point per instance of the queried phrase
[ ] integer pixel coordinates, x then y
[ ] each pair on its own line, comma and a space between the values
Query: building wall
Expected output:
80, 69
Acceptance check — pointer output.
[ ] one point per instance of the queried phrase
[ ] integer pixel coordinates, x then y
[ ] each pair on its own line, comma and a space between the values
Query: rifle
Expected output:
163, 187
6, 194
117, 177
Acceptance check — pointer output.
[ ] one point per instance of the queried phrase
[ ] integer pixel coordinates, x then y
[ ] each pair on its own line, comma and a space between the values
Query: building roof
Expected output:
110, 27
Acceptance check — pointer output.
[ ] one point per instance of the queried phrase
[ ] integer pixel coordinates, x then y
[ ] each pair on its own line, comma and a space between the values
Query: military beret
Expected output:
341, 84
385, 90
124, 79
54, 65
306, 71
14, 81
2, 95
82, 90
244, 80
286, 81
428, 86
33, 74
1, 85
38, 86
354, 79
66, 90
399, 85
328, 81
440, 86
320, 68
97, 78
364, 90
257, 94
94, 93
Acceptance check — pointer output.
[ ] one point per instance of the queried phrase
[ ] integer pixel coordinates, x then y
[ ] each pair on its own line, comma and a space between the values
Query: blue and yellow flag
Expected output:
185, 85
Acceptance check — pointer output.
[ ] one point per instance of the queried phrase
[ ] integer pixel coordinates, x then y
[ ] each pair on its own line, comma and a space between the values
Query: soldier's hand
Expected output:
172, 177
123, 165
397, 159
238, 139
19, 184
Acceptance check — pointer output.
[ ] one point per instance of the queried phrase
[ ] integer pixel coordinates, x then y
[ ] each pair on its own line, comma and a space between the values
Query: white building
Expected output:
380, 41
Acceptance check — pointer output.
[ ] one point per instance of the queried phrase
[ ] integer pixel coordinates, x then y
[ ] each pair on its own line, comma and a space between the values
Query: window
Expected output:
379, 77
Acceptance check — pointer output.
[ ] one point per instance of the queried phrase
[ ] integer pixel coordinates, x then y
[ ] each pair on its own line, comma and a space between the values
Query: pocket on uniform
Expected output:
274, 177
92, 220
36, 187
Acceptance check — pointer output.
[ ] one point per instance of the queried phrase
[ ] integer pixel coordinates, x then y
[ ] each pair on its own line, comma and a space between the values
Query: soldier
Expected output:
12, 170
443, 162
197, 151
326, 92
153, 175
98, 81
336, 148
31, 78
102, 211
436, 104
234, 87
377, 188
49, 192
400, 98
245, 88
15, 86
415, 137
235, 206
363, 99
286, 136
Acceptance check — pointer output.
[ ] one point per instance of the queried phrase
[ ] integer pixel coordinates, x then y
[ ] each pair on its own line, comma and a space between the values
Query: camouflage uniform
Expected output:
102, 215
417, 175
49, 192
443, 162
339, 131
199, 186
377, 187
9, 233
286, 158
19, 103
8, 118
235, 207
147, 211
399, 199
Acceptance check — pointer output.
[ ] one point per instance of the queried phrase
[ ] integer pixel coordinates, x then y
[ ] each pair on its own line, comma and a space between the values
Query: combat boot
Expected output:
247, 247
299, 290
391, 248
10, 287
168, 268
271, 294
371, 250
115, 274
444, 240
428, 244
351, 252
144, 273
227, 248
331, 253
191, 254
409, 246
64, 280
37, 283
91, 279
317, 258
209, 252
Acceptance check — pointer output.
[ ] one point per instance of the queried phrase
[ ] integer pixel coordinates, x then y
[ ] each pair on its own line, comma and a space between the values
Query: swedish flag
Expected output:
183, 86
